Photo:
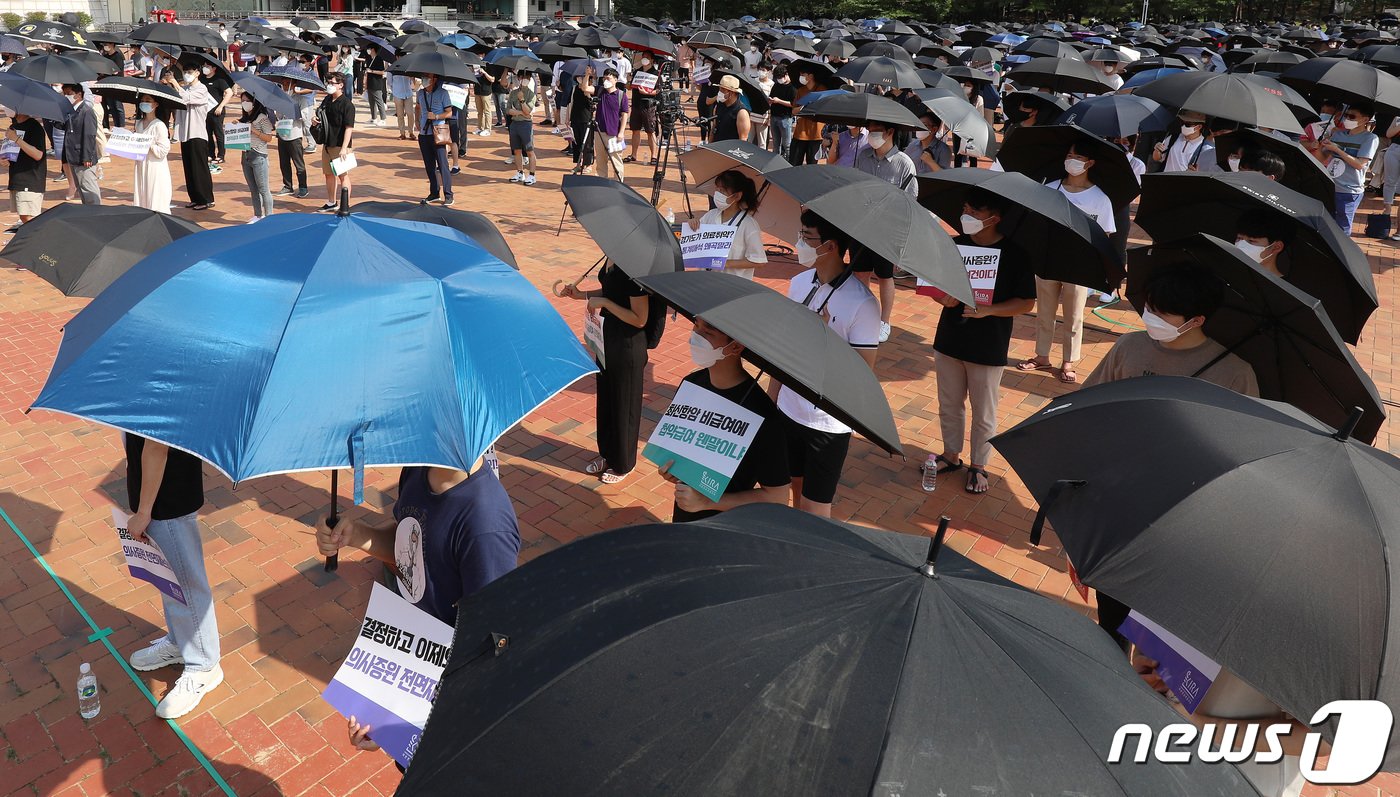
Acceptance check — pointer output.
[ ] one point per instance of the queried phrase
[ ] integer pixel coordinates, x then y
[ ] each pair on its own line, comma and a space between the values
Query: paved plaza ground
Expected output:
286, 625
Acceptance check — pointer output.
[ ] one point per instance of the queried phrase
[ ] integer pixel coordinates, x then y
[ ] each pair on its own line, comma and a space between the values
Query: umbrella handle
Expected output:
333, 561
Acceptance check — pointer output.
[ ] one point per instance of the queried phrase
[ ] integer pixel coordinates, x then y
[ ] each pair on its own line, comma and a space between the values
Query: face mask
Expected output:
1158, 328
646, 62
1254, 252
1190, 130
608, 83
721, 200
971, 225
702, 353
190, 76
1108, 70
922, 135
247, 106
806, 253
875, 140
784, 80
208, 70
1351, 124
146, 107
802, 80
1234, 164
1074, 167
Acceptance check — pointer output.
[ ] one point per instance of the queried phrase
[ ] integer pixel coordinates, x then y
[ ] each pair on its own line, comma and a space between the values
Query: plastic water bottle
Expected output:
89, 703
670, 216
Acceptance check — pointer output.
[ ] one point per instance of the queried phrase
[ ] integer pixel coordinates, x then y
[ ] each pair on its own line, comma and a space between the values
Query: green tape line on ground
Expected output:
101, 635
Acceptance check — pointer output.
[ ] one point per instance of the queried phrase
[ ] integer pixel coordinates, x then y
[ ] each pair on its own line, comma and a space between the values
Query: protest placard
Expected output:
706, 435
700, 74
238, 135
390, 678
457, 95
344, 164
982, 264
593, 335
286, 129
145, 561
708, 246
645, 81
1188, 672
123, 143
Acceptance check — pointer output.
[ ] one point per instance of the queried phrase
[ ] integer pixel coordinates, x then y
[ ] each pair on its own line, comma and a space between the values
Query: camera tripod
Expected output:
667, 143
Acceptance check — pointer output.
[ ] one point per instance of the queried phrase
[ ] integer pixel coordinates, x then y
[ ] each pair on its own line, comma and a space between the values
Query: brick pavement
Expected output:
285, 624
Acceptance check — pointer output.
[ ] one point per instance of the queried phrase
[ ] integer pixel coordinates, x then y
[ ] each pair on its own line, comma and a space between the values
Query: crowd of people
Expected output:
606, 107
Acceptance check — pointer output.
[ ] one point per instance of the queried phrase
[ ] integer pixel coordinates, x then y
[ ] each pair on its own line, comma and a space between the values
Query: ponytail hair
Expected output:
735, 180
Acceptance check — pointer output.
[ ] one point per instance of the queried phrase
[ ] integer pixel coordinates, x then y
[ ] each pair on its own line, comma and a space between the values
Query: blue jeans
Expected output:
780, 130
435, 163
255, 172
1346, 210
191, 625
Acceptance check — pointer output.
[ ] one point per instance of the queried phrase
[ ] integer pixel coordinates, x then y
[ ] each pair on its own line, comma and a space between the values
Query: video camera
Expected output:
668, 98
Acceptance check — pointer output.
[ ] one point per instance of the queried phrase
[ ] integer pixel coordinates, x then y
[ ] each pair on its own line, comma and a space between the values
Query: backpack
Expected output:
318, 130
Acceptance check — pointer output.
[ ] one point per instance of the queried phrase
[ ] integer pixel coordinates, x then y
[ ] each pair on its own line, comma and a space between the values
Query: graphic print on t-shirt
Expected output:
408, 559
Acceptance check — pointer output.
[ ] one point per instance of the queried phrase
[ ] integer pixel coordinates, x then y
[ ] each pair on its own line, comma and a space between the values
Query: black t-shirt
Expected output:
985, 341
217, 84
781, 91
26, 173
181, 488
376, 64
765, 464
640, 100
620, 288
579, 111
340, 114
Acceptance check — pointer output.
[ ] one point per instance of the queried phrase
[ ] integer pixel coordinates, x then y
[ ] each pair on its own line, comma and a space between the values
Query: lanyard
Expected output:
835, 286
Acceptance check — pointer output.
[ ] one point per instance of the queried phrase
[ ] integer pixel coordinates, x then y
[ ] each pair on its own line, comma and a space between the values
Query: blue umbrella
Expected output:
1011, 39
268, 93
308, 342
505, 52
1148, 75
32, 98
461, 41
380, 44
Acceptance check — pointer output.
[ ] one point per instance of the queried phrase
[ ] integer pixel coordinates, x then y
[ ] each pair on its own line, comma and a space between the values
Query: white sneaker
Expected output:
530, 179
254, 220
884, 332
483, 132
161, 653
518, 178
187, 692
558, 131
508, 161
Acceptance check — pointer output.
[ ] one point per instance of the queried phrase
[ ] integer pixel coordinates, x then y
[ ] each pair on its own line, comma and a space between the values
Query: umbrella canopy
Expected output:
306, 23
646, 41
272, 97
768, 651
788, 341
1319, 258
287, 373
1345, 81
552, 51
831, 48
714, 38
295, 75
1222, 96
1063, 243
32, 98
1269, 61
53, 69
471, 224
849, 108
81, 249
596, 37
1043, 47
963, 119
708, 160
881, 71
628, 229
802, 46
754, 96
1049, 106
1301, 171
183, 36
365, 40
1118, 115
880, 217
1146, 76
1039, 153
934, 79
54, 33
294, 46
128, 89
523, 63
443, 65
1062, 75
1282, 332
1262, 603
97, 62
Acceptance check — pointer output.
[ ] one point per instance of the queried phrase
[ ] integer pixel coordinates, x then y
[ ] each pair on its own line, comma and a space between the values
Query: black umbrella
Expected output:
628, 229
183, 36
32, 98
519, 63
849, 108
1118, 115
1041, 47
444, 65
1063, 75
1282, 332
708, 160
53, 69
471, 224
1050, 106
1269, 61
306, 23
553, 51
1039, 153
934, 79
1385, 57
193, 60
880, 217
1293, 100
1064, 244
1301, 171
127, 89
788, 341
296, 75
832, 48
95, 61
1222, 96
987, 54
765, 651
294, 46
596, 37
754, 93
878, 70
1252, 532
802, 45
966, 74
883, 50
646, 41
1345, 81
81, 249
1319, 258
53, 33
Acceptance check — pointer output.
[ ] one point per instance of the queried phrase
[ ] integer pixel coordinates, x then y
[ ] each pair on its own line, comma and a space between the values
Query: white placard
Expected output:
982, 264
705, 436
238, 135
145, 561
286, 129
593, 335
645, 81
343, 164
700, 73
123, 143
456, 94
708, 246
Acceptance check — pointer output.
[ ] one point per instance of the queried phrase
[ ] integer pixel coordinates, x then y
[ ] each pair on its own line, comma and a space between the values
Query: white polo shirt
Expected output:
1093, 201
854, 315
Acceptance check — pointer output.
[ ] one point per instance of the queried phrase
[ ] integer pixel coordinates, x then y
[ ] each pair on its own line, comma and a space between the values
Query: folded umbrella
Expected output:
881, 71
1039, 153
53, 69
1301, 171
628, 229
788, 341
849, 108
1063, 75
81, 249
268, 93
1256, 534
765, 651
1222, 96
878, 216
1345, 81
1064, 244
32, 98
471, 224
1283, 333
1118, 115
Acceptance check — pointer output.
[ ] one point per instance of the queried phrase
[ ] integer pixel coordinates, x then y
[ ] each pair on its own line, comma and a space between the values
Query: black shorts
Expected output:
643, 118
816, 458
868, 261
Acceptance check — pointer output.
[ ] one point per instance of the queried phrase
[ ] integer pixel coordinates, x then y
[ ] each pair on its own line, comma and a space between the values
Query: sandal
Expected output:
629, 159
1032, 364
611, 476
595, 466
973, 473
1068, 375
929, 483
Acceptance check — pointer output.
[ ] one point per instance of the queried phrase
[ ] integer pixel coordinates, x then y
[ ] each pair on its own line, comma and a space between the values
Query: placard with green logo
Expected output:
706, 435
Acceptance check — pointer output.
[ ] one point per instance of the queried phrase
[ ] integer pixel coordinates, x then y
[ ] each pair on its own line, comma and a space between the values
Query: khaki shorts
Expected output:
27, 203
328, 154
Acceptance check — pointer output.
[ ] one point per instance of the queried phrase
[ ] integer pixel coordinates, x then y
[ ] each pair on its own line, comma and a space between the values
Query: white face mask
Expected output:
922, 135
702, 353
191, 76
1234, 164
146, 107
806, 253
1074, 167
1190, 130
802, 80
646, 62
721, 200
608, 83
247, 106
875, 140
208, 70
1351, 124
1158, 328
971, 225
1253, 251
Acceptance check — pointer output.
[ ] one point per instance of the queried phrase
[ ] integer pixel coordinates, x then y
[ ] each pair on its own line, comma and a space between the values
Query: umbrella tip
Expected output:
1350, 426
930, 567
344, 209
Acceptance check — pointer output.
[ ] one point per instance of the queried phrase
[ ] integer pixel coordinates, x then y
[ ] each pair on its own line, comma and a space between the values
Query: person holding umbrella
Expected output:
29, 169
1262, 236
1187, 149
339, 111
375, 71
971, 344
192, 131
261, 131
928, 149
1349, 152
434, 111
80, 146
152, 189
780, 115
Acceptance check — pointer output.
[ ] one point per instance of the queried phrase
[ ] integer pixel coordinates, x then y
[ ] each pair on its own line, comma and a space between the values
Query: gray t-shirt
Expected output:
1357, 145
1137, 354
895, 168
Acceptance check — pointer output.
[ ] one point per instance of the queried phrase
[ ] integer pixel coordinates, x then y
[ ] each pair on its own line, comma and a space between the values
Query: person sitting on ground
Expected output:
1262, 235
762, 474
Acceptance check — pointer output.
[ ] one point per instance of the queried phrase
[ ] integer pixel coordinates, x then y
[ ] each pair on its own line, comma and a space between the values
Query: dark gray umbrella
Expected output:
878, 70
1345, 81
788, 341
1039, 153
1222, 96
833, 48
434, 63
53, 69
1064, 75
849, 108
1118, 115
963, 119
1301, 171
628, 229
801, 45
708, 160
32, 98
1256, 534
183, 36
765, 651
